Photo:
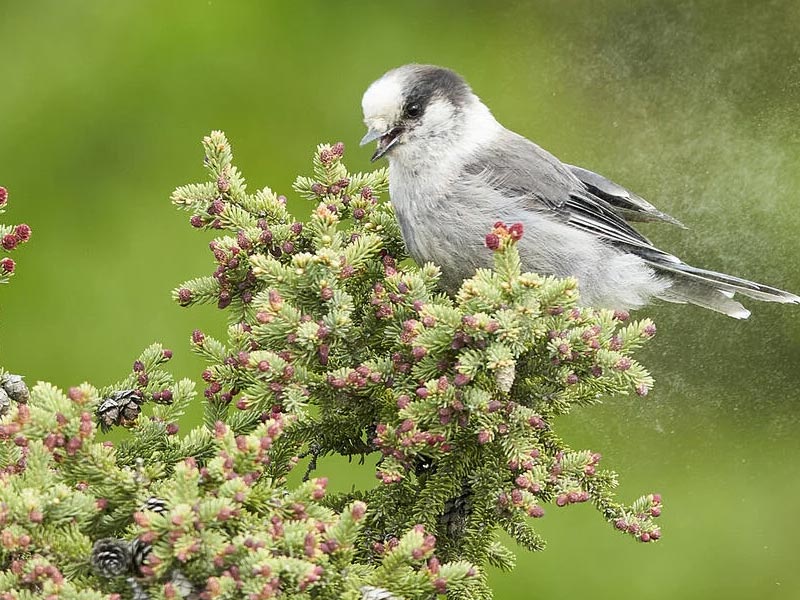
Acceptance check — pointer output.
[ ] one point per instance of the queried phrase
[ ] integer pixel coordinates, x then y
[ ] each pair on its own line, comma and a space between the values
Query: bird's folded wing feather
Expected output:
627, 204
517, 168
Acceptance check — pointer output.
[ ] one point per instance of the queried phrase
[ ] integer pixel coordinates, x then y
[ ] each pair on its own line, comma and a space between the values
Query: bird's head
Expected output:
415, 107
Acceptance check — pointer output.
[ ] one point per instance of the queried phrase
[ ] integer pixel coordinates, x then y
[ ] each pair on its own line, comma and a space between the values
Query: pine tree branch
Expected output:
336, 345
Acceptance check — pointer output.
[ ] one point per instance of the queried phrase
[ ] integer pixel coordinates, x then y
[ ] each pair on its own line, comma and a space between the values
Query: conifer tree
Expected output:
337, 344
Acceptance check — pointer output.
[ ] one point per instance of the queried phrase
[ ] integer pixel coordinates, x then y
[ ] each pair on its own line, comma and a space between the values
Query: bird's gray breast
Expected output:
438, 225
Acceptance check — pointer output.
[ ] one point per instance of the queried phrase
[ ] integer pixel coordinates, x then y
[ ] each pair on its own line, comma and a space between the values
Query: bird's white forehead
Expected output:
384, 97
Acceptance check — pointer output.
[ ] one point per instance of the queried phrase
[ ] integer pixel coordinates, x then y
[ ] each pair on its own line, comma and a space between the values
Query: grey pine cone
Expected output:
16, 389
137, 591
139, 552
456, 513
369, 592
111, 557
185, 587
120, 408
5, 403
156, 505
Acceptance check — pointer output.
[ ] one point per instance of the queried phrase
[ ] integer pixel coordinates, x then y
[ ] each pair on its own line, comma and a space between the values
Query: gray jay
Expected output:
454, 171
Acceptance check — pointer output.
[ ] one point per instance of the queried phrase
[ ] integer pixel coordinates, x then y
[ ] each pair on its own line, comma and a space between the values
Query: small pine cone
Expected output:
156, 505
137, 591
108, 414
5, 403
456, 512
504, 377
111, 557
16, 389
369, 592
182, 584
139, 552
120, 408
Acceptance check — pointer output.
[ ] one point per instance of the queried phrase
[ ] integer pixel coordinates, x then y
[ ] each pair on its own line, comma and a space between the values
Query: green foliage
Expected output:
336, 345
11, 236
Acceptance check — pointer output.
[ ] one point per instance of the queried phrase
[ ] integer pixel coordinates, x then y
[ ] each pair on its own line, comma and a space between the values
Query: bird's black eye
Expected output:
413, 110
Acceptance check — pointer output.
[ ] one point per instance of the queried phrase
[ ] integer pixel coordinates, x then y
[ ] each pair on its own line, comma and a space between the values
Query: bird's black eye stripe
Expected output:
434, 83
413, 109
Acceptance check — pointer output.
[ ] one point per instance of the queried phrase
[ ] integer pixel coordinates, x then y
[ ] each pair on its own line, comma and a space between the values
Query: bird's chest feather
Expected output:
437, 225
418, 200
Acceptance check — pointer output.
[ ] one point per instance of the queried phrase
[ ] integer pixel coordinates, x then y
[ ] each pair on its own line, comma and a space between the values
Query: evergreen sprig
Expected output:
11, 236
337, 344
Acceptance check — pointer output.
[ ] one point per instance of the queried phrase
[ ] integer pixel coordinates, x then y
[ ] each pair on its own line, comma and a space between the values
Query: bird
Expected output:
454, 171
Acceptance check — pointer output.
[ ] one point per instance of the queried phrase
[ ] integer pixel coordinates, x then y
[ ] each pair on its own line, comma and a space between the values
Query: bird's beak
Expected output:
386, 139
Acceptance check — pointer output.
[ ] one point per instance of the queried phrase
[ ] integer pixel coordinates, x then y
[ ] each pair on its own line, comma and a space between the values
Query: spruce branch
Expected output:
339, 325
336, 345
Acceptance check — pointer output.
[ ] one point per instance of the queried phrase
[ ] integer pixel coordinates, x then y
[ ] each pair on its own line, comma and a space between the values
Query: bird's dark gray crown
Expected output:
425, 82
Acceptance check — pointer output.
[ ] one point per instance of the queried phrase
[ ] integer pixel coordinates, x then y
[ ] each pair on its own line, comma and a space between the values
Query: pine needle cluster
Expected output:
337, 345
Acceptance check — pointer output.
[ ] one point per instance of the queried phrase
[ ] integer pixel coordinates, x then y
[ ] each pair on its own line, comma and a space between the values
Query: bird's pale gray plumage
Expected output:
625, 203
454, 171
518, 168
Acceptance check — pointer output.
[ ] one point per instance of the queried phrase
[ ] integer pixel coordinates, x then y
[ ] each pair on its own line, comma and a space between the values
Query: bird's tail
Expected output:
715, 291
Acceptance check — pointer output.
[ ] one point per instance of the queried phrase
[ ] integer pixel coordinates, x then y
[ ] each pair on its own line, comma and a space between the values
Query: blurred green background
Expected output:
695, 105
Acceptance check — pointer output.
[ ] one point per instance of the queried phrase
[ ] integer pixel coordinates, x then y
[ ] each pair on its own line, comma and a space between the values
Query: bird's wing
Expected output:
517, 168
625, 203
